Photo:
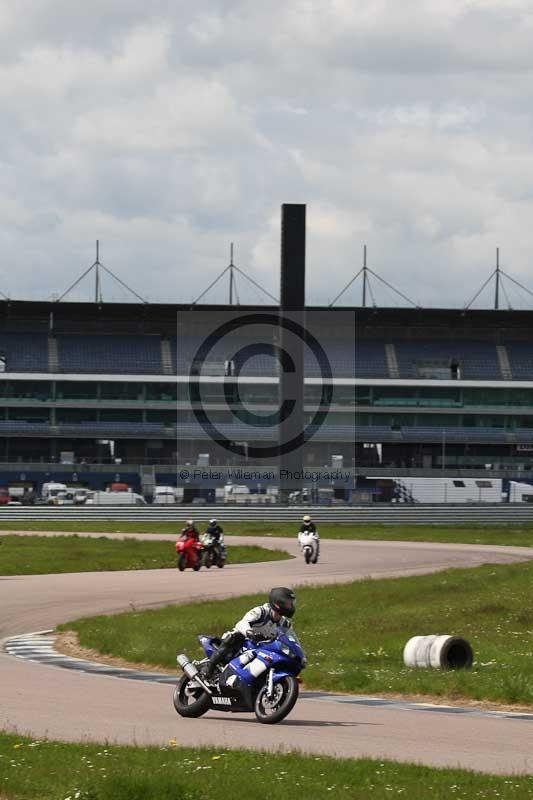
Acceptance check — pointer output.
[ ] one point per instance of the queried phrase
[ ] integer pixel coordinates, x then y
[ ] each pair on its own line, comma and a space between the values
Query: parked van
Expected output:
165, 495
51, 490
520, 492
114, 499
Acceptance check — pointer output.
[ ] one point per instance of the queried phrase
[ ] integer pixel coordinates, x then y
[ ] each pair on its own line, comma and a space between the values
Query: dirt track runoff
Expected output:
42, 700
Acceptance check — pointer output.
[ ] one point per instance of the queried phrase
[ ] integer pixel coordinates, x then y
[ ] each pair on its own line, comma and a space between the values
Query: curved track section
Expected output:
43, 700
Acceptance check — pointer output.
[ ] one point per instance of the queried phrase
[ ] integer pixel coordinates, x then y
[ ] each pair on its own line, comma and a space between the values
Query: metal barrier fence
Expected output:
356, 515
175, 513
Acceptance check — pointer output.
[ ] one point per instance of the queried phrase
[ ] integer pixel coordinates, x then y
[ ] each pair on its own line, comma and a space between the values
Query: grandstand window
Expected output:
343, 395
394, 395
29, 414
482, 421
166, 392
520, 397
167, 417
459, 484
362, 395
254, 393
336, 418
439, 420
121, 391
74, 415
185, 417
120, 415
76, 390
486, 397
441, 396
27, 390
212, 392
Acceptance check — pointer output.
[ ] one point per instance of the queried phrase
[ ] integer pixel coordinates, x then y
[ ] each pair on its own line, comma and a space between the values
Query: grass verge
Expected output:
41, 555
517, 535
44, 770
353, 634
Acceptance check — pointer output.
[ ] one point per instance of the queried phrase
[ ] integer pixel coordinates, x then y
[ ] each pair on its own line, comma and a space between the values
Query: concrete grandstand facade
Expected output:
106, 387
414, 391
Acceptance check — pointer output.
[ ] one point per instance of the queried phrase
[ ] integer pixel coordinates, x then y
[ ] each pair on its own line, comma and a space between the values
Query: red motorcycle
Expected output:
189, 551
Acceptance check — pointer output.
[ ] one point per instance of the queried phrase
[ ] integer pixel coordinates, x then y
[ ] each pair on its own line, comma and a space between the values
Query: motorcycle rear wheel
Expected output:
190, 704
285, 696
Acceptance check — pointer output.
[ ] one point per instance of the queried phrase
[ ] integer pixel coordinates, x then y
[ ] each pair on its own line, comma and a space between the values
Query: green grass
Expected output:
41, 555
520, 535
44, 770
353, 634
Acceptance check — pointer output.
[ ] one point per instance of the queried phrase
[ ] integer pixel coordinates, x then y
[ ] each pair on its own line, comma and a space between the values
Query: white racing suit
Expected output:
309, 536
257, 624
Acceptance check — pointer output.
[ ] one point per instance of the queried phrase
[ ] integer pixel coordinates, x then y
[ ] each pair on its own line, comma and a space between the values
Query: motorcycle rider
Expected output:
261, 623
308, 527
215, 530
190, 531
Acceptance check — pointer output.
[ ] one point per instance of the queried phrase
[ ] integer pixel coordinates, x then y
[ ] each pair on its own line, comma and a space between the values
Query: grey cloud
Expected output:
171, 130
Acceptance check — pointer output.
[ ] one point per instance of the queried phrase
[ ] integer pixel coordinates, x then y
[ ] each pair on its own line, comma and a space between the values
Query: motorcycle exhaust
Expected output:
192, 672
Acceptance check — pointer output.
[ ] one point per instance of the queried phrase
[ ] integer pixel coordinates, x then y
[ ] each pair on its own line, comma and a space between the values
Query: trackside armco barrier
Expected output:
358, 515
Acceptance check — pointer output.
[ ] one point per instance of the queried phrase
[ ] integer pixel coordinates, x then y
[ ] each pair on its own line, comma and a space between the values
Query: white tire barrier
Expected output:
438, 652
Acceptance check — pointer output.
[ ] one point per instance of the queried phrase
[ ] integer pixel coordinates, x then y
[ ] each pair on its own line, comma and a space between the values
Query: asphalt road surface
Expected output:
42, 700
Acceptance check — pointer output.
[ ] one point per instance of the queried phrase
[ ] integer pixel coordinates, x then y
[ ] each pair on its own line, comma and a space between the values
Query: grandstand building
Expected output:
444, 389
95, 393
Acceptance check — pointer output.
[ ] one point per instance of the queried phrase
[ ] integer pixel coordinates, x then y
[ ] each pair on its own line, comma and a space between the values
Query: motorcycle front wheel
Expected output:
189, 701
274, 709
181, 562
307, 555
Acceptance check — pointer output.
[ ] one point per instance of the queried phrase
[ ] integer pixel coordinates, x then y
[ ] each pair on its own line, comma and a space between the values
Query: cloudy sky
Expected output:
169, 129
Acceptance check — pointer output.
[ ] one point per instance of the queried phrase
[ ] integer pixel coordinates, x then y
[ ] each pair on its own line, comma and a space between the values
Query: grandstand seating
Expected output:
521, 360
192, 430
436, 435
24, 352
477, 360
136, 355
109, 354
338, 352
370, 360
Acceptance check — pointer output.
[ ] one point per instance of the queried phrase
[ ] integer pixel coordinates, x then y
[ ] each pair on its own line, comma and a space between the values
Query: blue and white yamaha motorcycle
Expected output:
262, 678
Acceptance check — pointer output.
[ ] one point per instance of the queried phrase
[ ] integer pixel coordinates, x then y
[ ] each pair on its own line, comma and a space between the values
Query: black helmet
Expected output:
283, 601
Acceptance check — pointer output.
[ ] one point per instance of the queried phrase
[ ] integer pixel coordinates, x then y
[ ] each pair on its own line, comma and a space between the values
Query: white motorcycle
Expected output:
310, 544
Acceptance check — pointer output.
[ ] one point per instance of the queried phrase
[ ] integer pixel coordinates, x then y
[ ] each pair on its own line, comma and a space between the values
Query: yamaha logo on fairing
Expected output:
221, 701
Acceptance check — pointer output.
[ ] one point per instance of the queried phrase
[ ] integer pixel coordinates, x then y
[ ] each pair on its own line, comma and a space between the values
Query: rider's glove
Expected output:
256, 637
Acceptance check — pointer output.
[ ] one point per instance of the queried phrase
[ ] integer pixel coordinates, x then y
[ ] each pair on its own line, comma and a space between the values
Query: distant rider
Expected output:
214, 530
190, 531
261, 623
308, 527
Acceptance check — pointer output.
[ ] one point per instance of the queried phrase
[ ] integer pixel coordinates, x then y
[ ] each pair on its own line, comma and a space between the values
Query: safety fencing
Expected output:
366, 514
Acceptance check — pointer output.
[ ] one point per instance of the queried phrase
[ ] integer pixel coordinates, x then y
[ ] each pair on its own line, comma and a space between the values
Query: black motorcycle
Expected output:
214, 551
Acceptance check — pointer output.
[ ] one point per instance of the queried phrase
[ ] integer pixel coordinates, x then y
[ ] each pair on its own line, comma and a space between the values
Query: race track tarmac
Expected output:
43, 700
